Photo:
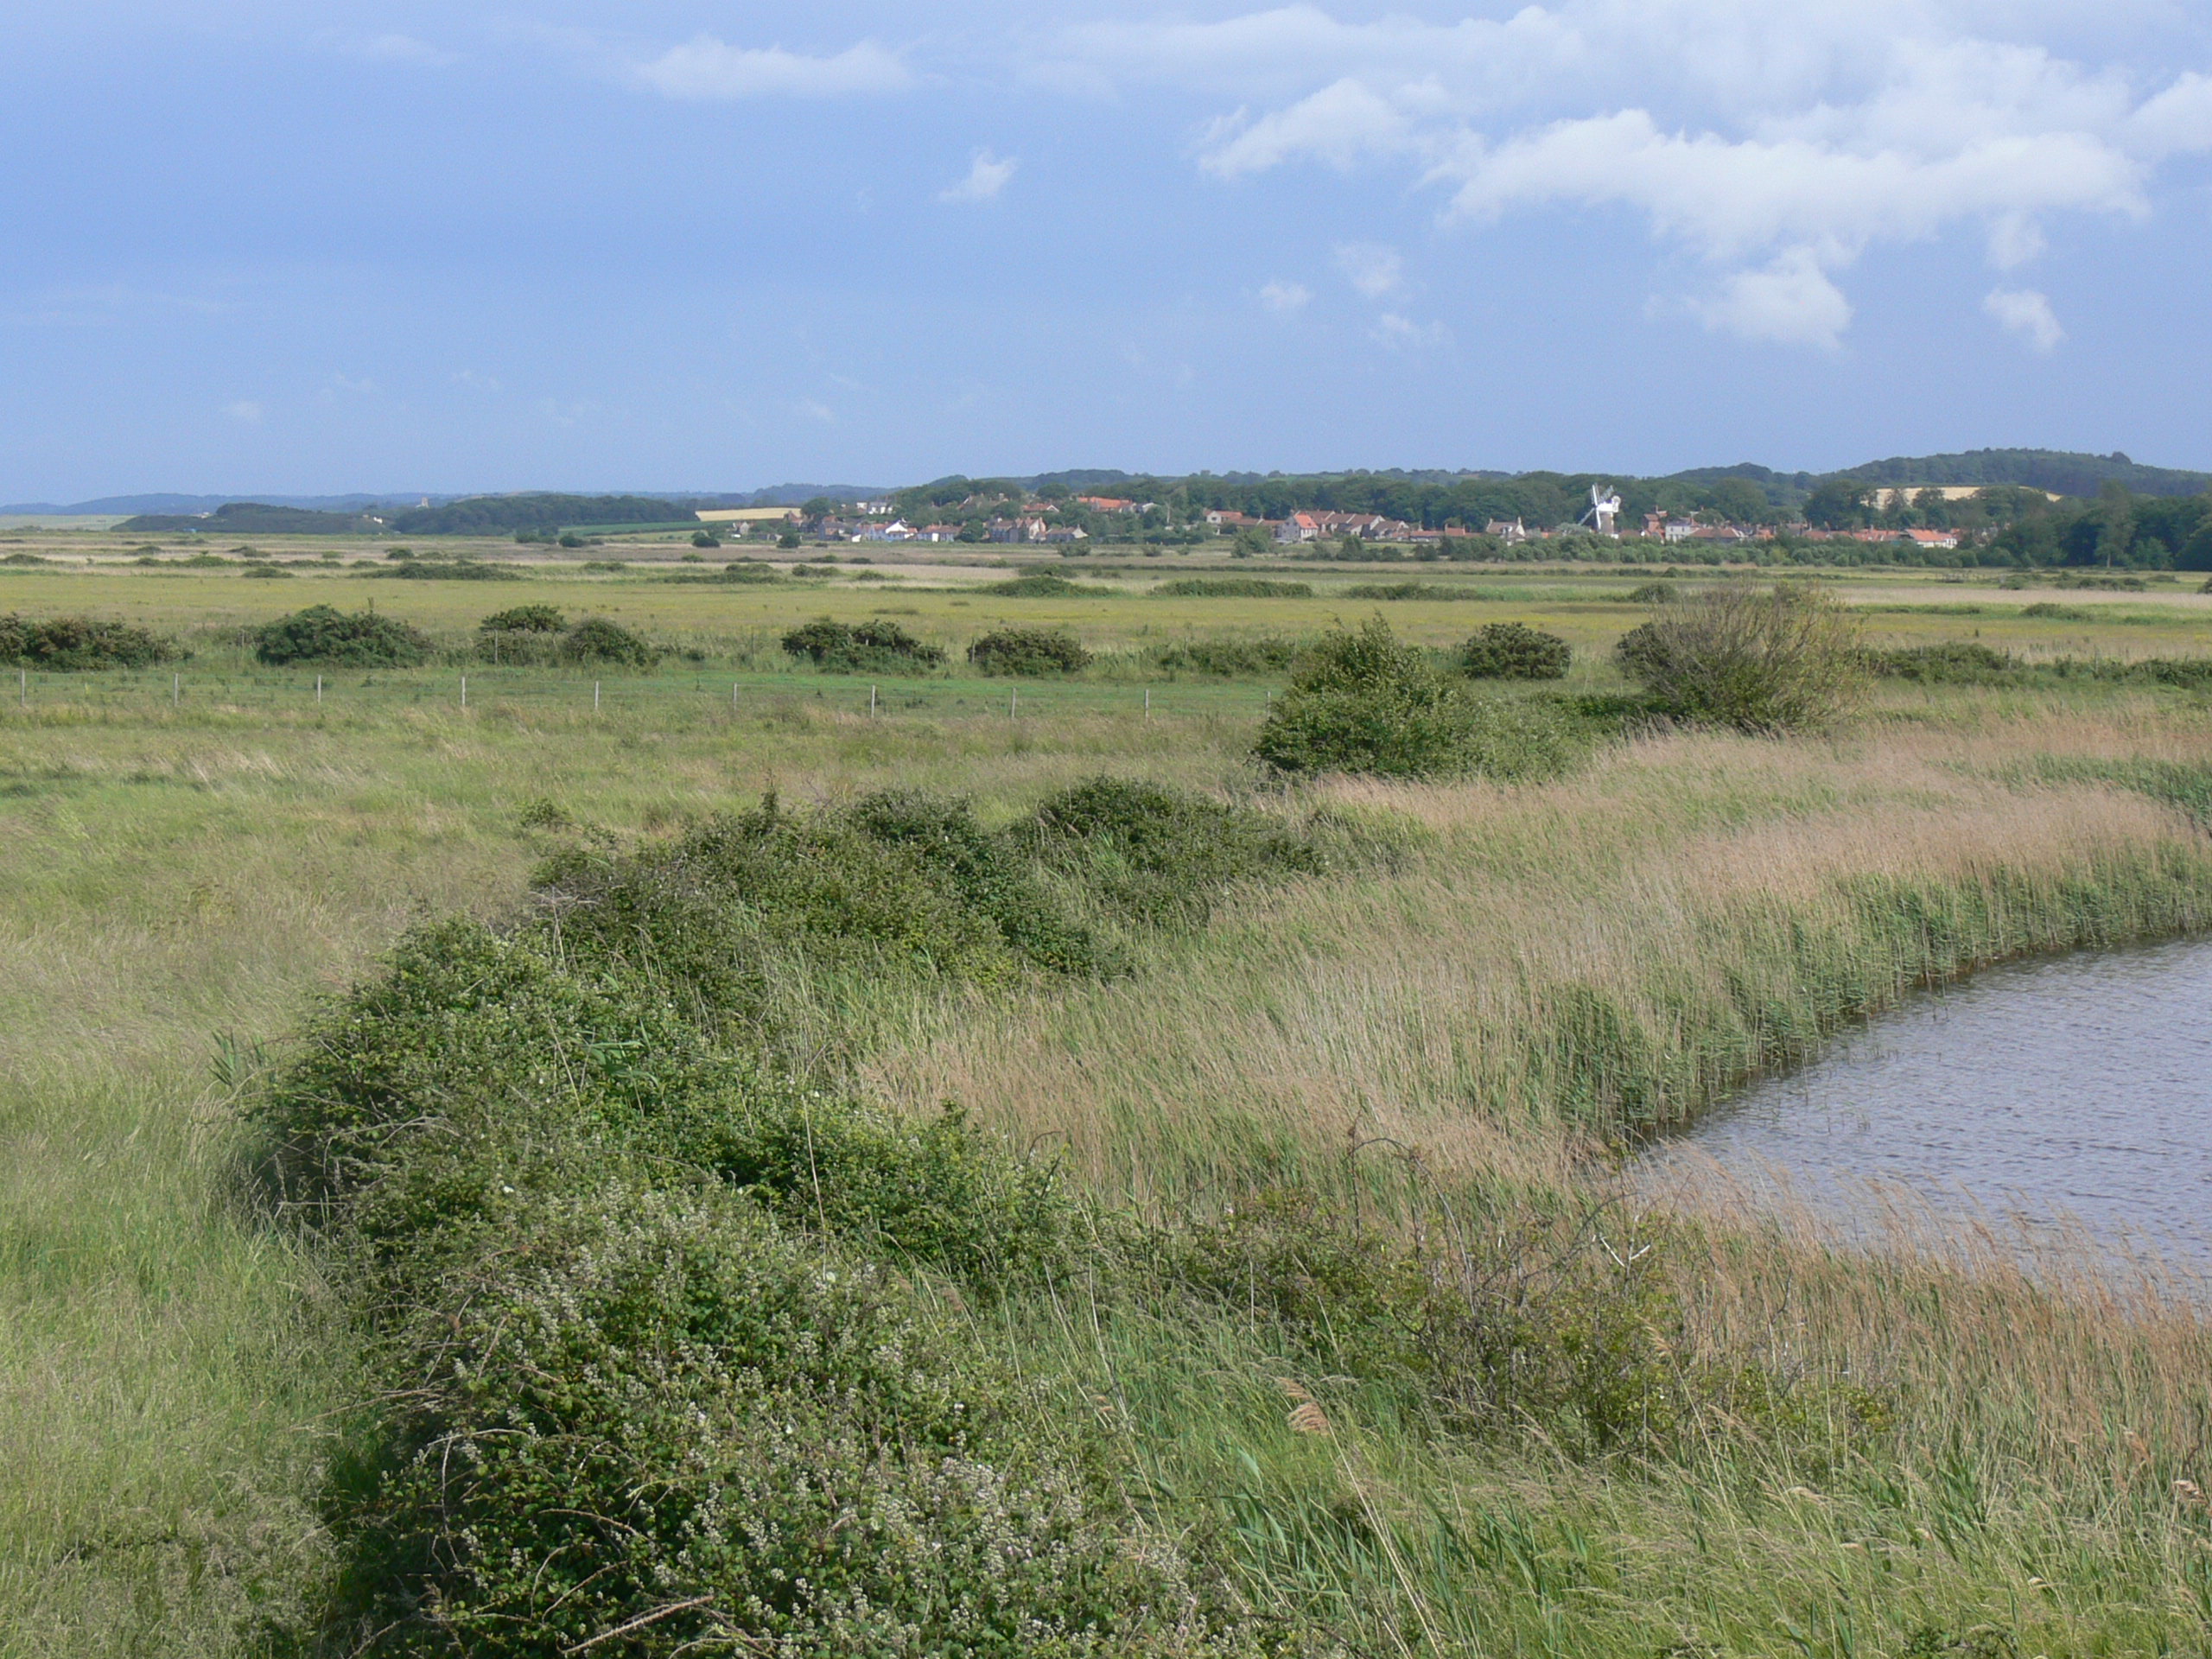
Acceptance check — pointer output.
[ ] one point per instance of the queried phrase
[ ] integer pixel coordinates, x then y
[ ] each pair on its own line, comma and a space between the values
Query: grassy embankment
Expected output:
1545, 963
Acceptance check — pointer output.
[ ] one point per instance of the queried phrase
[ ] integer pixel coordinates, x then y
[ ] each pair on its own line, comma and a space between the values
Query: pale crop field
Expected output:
189, 855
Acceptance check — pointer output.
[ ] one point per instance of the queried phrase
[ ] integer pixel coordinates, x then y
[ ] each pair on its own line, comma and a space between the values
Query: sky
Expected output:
282, 247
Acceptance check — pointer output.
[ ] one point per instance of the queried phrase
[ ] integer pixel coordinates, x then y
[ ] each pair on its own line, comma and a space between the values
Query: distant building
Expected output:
1512, 534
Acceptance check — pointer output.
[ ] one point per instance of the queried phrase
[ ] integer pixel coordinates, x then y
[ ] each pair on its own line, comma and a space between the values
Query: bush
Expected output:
1954, 662
595, 639
1398, 590
80, 644
358, 640
24, 559
524, 618
265, 571
788, 539
1265, 655
1511, 651
865, 647
2055, 612
1778, 661
705, 538
1042, 584
1031, 652
414, 570
1233, 587
1362, 701
1654, 592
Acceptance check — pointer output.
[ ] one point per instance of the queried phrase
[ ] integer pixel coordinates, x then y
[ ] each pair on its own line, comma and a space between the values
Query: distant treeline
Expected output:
477, 515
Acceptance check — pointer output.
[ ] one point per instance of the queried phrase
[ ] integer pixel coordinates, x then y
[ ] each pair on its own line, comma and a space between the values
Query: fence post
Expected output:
594, 696
318, 691
464, 690
1147, 702
732, 694
176, 690
871, 702
1013, 704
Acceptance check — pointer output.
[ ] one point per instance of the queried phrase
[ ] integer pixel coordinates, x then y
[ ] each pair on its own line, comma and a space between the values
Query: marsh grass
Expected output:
1541, 966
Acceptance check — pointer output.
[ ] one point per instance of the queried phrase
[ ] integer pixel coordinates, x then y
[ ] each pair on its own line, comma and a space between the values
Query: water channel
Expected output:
2077, 1090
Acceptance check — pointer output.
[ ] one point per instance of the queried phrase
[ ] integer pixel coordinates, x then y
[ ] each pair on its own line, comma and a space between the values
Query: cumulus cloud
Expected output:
1286, 299
2023, 312
1372, 269
708, 68
1777, 139
987, 175
1791, 302
244, 410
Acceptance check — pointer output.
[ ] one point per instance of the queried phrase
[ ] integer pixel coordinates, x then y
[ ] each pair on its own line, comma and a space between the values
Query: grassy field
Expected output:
189, 861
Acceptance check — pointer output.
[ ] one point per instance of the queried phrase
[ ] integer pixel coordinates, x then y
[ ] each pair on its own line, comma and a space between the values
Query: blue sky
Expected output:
296, 248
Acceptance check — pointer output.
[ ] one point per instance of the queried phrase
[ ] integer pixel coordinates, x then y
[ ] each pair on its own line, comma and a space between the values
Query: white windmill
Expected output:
1604, 506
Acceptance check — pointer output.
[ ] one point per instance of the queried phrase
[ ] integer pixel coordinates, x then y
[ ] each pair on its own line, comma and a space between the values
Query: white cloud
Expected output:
818, 411
245, 410
1776, 138
1371, 268
1342, 125
1790, 303
1286, 299
987, 175
1403, 335
2023, 312
706, 67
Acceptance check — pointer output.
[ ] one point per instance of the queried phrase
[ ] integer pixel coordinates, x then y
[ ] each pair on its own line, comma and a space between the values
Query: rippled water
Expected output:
2079, 1087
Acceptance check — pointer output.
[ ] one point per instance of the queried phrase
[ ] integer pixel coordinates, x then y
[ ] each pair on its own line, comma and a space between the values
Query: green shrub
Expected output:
80, 644
646, 1409
1654, 592
21, 559
1776, 661
1031, 652
1233, 587
1954, 662
1165, 857
1406, 590
595, 639
414, 570
524, 618
2062, 613
664, 1338
1266, 655
788, 539
1513, 650
703, 538
265, 571
357, 638
878, 646
1363, 703
1043, 584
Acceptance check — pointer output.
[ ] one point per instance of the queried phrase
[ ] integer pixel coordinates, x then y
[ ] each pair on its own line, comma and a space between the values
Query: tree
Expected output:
1839, 503
1250, 543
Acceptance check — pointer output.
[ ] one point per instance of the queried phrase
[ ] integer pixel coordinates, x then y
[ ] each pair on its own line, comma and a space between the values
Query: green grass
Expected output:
181, 879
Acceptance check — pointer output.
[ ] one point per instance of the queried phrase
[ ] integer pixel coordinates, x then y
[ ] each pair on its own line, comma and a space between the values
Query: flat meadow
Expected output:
1863, 1453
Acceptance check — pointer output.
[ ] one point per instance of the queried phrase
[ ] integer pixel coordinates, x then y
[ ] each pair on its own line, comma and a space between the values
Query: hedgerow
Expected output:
669, 1336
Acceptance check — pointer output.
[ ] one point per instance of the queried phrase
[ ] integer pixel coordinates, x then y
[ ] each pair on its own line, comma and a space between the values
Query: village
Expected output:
1072, 520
